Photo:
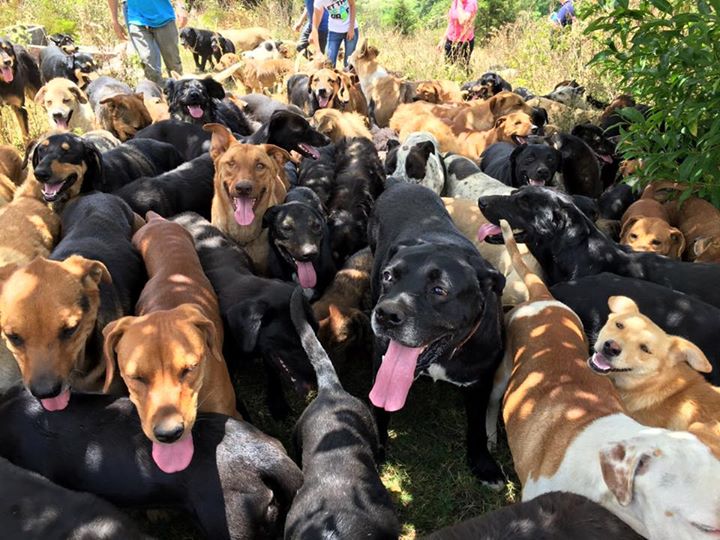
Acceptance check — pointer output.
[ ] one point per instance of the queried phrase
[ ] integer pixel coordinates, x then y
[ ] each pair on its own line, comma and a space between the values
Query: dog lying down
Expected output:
342, 495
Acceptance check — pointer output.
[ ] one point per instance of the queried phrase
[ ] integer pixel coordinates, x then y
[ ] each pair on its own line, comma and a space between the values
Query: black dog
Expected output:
436, 312
67, 165
256, 311
676, 313
580, 167
79, 67
615, 200
300, 242
485, 87
190, 140
201, 101
552, 516
18, 74
291, 132
239, 484
568, 246
65, 42
220, 45
199, 42
604, 150
260, 108
338, 441
527, 164
359, 180
319, 174
24, 496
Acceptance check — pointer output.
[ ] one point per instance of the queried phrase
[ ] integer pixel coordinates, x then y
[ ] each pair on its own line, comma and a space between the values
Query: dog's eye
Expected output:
139, 379
387, 275
655, 242
644, 348
66, 100
315, 227
633, 237
14, 339
186, 371
68, 331
439, 291
259, 166
620, 325
286, 227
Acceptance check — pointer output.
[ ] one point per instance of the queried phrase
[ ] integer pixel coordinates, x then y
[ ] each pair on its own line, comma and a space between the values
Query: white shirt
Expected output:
339, 14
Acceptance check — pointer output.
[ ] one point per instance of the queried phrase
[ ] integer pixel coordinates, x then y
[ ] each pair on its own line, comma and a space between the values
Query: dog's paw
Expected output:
488, 473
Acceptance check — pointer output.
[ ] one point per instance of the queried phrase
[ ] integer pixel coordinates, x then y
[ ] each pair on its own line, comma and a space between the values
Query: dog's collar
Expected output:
469, 335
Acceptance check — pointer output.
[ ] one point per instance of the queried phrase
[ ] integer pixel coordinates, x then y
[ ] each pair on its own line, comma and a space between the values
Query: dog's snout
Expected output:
58, 116
482, 204
243, 188
389, 314
534, 130
42, 174
307, 252
45, 386
169, 430
611, 348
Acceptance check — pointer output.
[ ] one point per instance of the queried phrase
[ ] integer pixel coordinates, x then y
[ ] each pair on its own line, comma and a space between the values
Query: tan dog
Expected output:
513, 128
645, 207
247, 39
332, 89
11, 164
653, 235
249, 179
170, 355
262, 76
123, 115
66, 105
157, 107
336, 124
699, 222
438, 91
657, 374
482, 115
567, 429
564, 116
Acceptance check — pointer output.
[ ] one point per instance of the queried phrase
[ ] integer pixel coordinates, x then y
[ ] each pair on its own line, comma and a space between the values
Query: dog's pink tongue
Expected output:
395, 377
195, 111
61, 123
487, 230
600, 361
58, 403
323, 102
175, 457
244, 213
7, 74
306, 274
50, 190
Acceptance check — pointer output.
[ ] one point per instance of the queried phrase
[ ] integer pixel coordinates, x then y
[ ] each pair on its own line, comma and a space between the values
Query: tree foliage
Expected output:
667, 52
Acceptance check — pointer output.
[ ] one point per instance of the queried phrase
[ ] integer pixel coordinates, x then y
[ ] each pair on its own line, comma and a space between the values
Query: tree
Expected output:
402, 18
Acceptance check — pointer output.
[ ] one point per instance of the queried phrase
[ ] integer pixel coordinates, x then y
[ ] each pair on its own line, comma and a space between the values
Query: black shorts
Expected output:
459, 51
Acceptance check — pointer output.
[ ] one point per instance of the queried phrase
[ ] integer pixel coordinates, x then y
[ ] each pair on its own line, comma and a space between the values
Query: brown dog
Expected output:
123, 115
654, 235
246, 39
262, 76
657, 374
482, 115
11, 164
513, 128
335, 90
438, 91
249, 179
337, 124
699, 222
170, 355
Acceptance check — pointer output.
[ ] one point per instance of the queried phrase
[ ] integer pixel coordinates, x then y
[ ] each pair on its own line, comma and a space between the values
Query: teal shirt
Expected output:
152, 13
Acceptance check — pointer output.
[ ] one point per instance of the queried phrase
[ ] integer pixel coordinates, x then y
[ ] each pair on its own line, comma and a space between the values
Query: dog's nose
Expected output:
243, 188
482, 204
543, 172
42, 174
58, 116
611, 348
307, 252
45, 386
389, 314
168, 431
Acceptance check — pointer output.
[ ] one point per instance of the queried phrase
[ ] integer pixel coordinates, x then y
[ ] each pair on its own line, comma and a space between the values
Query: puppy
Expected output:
248, 180
300, 242
66, 105
19, 74
348, 466
337, 124
526, 164
78, 67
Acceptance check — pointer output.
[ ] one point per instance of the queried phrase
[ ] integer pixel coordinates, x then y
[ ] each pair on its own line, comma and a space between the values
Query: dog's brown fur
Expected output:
123, 115
259, 166
262, 76
336, 124
246, 39
654, 235
645, 207
664, 388
11, 164
699, 222
343, 94
438, 91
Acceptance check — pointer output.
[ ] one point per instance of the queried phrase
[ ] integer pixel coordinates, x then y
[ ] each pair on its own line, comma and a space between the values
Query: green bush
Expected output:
666, 52
401, 17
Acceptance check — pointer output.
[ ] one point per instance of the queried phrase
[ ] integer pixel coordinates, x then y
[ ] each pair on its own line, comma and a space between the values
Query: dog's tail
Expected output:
537, 290
327, 379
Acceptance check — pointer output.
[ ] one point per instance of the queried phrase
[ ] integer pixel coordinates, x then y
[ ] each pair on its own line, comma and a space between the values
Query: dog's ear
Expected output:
93, 161
40, 96
426, 148
270, 215
31, 154
627, 226
280, 155
169, 89
79, 94
245, 321
489, 278
682, 350
678, 242
500, 121
620, 463
700, 245
87, 269
623, 304
311, 80
220, 140
344, 87
213, 88
193, 315
112, 333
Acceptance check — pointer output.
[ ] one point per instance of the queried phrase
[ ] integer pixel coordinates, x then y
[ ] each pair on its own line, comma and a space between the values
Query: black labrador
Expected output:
516, 166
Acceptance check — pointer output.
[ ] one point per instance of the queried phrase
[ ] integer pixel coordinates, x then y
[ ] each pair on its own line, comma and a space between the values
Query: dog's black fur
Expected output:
299, 94
615, 200
415, 162
568, 245
199, 42
291, 132
239, 484
604, 150
187, 188
17, 62
33, 508
359, 180
342, 495
521, 165
65, 41
220, 45
77, 67
552, 516
580, 167
431, 287
485, 87
106, 172
256, 311
190, 140
260, 108
298, 231
319, 174
524, 93
206, 96
676, 313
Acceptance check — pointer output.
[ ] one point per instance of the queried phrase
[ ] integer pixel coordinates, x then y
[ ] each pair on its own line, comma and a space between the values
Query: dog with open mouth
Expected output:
437, 312
19, 74
66, 105
526, 164
604, 149
300, 242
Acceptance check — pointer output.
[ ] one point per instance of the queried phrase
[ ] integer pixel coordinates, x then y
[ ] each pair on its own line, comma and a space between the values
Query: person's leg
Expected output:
332, 48
167, 40
449, 54
350, 46
305, 34
323, 37
467, 53
144, 44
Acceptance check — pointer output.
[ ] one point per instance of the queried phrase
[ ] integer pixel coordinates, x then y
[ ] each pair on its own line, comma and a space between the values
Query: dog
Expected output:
418, 161
256, 311
552, 516
11, 164
646, 227
267, 50
200, 101
576, 437
330, 88
436, 307
19, 74
580, 168
220, 45
247, 39
337, 124
513, 128
239, 484
66, 105
105, 87
291, 132
300, 242
319, 508
466, 181
78, 67
123, 115
65, 42
485, 87
603, 148
319, 174
260, 108
153, 99
190, 140
170, 354
93, 276
522, 165
437, 91
263, 75
248, 180
199, 42
698, 221
545, 216
67, 165
657, 375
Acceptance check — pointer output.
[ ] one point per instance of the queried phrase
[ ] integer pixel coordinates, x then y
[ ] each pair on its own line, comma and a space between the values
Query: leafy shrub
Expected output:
401, 17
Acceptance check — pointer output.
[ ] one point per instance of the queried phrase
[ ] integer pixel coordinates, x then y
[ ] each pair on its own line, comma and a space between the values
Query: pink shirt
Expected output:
455, 29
